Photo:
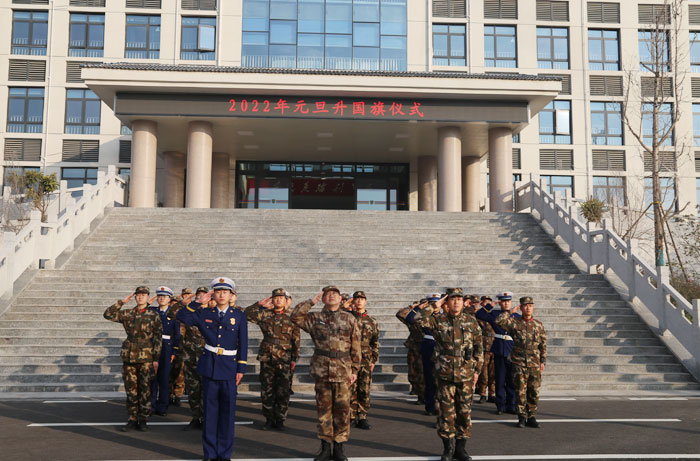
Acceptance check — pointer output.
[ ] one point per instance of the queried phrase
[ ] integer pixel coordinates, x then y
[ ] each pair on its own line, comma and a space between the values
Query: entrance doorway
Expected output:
319, 185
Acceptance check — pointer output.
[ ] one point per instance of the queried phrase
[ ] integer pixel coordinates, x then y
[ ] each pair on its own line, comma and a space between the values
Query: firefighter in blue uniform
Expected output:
160, 387
222, 364
502, 345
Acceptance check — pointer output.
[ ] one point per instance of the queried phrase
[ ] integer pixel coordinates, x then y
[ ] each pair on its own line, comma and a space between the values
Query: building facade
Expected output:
347, 104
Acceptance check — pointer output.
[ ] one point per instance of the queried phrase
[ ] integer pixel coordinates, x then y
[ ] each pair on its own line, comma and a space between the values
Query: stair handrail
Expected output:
675, 320
38, 244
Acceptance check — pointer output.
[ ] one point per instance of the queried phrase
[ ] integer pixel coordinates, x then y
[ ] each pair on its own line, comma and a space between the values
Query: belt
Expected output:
430, 337
332, 354
219, 350
504, 337
166, 337
276, 342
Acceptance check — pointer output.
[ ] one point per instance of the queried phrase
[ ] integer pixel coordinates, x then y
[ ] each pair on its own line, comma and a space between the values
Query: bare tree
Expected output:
14, 210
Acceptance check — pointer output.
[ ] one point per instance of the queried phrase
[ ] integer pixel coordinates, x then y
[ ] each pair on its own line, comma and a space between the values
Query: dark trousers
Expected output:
505, 392
160, 387
426, 352
219, 417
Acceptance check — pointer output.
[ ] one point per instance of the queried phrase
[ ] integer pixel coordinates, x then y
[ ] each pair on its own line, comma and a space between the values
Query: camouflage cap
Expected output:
202, 290
359, 294
186, 291
142, 289
454, 292
279, 292
331, 288
486, 298
527, 300
473, 298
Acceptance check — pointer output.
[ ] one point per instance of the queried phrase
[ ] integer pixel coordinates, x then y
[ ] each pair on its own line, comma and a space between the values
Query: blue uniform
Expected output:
427, 348
218, 370
160, 387
503, 367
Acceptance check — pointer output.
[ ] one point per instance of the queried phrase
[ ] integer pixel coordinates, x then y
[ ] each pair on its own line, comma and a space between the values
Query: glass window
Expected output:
339, 16
18, 170
311, 16
558, 184
665, 133
552, 47
142, 37
449, 45
695, 51
310, 51
82, 112
696, 124
87, 35
606, 123
500, 48
77, 177
668, 193
603, 49
25, 110
609, 189
697, 194
29, 32
198, 39
653, 44
555, 123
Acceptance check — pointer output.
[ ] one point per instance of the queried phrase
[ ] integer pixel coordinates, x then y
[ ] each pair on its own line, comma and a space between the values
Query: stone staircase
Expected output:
54, 338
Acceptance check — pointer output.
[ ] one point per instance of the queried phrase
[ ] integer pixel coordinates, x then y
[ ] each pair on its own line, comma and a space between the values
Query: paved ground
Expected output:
581, 428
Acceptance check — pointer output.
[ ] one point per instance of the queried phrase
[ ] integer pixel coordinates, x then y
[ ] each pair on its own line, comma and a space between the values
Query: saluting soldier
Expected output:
297, 343
459, 357
334, 366
529, 355
140, 354
160, 387
487, 381
277, 355
177, 370
369, 341
413, 357
222, 364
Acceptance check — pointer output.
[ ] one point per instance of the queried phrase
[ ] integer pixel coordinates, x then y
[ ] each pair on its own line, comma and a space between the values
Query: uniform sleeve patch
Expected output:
208, 320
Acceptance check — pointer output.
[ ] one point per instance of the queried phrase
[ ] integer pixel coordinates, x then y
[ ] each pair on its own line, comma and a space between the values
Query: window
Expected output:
651, 45
697, 194
696, 124
603, 49
325, 34
82, 112
609, 189
198, 39
559, 184
606, 123
555, 123
29, 32
142, 37
695, 51
18, 170
87, 32
25, 110
77, 177
449, 43
124, 172
125, 130
500, 48
668, 193
552, 47
665, 120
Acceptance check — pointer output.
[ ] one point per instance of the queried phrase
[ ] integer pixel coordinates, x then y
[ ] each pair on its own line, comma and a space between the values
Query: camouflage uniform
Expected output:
140, 349
413, 357
337, 355
278, 349
487, 379
177, 376
369, 340
459, 354
529, 352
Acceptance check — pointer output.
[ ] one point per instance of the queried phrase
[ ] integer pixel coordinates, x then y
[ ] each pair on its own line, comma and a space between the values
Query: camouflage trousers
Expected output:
177, 376
454, 401
527, 383
487, 378
415, 370
333, 405
193, 386
359, 403
275, 377
137, 383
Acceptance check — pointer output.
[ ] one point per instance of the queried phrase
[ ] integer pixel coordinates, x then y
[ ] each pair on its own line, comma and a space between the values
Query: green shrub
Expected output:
592, 210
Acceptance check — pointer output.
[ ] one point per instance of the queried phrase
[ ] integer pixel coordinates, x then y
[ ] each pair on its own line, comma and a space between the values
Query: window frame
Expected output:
496, 59
25, 124
85, 127
611, 191
645, 66
671, 140
551, 189
606, 117
604, 62
551, 38
555, 133
202, 54
146, 52
448, 57
32, 50
86, 51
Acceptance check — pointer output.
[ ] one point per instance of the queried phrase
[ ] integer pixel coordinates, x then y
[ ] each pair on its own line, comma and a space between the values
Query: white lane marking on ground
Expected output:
169, 423
612, 420
655, 398
491, 457
74, 401
558, 399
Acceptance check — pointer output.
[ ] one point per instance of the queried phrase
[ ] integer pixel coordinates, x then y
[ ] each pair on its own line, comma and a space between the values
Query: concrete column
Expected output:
471, 183
427, 183
142, 184
219, 180
174, 193
449, 169
199, 144
501, 169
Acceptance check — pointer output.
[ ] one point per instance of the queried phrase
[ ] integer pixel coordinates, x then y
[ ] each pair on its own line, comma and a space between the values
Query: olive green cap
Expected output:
142, 289
527, 300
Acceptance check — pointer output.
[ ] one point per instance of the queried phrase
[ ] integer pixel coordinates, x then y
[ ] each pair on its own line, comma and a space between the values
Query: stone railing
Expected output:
648, 289
38, 244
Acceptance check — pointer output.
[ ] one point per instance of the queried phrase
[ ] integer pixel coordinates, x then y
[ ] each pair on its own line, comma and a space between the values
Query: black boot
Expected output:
142, 426
448, 449
325, 454
268, 425
482, 399
461, 450
338, 453
131, 424
532, 422
279, 425
521, 421
195, 424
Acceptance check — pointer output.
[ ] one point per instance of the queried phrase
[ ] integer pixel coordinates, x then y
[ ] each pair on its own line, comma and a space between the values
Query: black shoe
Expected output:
130, 425
268, 425
499, 411
279, 425
325, 453
195, 424
521, 421
448, 450
491, 400
175, 401
482, 399
142, 426
532, 422
461, 450
160, 413
338, 454
363, 424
